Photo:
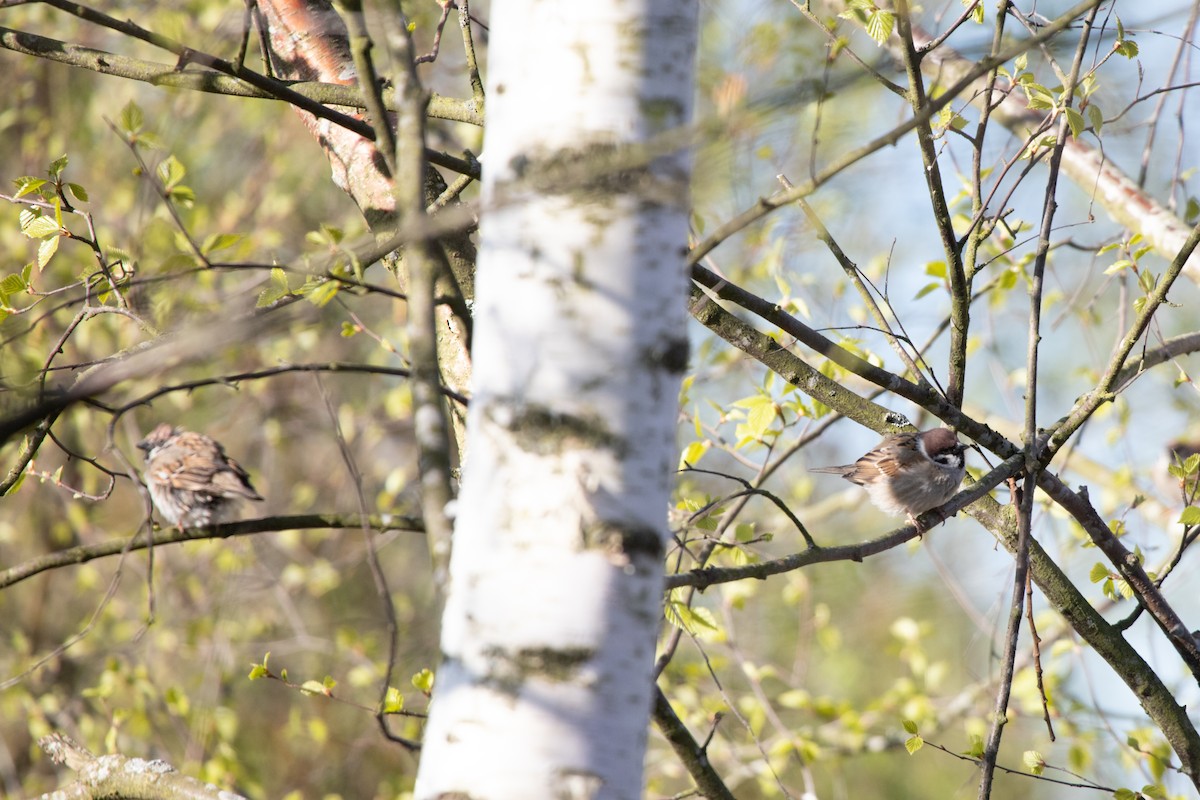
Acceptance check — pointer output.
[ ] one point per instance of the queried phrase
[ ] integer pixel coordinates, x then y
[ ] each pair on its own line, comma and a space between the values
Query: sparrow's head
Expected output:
158, 437
941, 446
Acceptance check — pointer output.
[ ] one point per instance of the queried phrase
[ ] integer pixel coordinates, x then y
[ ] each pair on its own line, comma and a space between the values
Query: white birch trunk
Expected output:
579, 345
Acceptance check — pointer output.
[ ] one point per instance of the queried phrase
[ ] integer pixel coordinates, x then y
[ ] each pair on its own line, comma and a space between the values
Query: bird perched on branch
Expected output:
191, 480
909, 473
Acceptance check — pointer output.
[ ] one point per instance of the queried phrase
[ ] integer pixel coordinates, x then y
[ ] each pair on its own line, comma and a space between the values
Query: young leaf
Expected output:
46, 251
880, 24
40, 227
1075, 122
170, 172
131, 119
393, 701
1190, 516
423, 680
27, 183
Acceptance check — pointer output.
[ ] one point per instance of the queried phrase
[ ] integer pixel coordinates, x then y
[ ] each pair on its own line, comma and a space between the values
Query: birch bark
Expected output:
556, 577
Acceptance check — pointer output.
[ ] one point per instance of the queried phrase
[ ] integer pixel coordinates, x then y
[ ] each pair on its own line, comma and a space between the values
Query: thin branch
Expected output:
81, 554
766, 205
171, 76
703, 577
369, 82
382, 591
960, 287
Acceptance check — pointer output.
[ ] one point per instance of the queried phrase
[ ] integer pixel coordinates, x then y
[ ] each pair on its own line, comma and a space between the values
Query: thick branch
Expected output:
115, 775
693, 757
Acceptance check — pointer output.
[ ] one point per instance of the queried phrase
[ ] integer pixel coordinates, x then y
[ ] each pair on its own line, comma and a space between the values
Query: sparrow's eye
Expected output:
953, 458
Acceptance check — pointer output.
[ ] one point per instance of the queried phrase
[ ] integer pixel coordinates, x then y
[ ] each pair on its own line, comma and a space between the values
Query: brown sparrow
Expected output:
909, 473
191, 480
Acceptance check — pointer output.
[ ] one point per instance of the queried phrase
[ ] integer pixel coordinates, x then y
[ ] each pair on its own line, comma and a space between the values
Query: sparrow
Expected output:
191, 480
909, 473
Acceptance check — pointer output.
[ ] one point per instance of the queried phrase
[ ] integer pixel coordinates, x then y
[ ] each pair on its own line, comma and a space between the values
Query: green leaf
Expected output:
27, 183
39, 227
276, 291
692, 454
1192, 210
760, 418
975, 746
131, 119
16, 484
219, 241
693, 620
1099, 572
260, 670
183, 195
880, 24
78, 192
57, 166
424, 680
1075, 122
913, 743
393, 701
910, 727
1095, 117
320, 292
46, 251
1190, 516
1034, 762
926, 289
313, 687
1039, 96
13, 284
170, 172
269, 297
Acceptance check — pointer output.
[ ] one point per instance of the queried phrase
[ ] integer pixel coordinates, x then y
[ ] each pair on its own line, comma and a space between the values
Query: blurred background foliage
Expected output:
812, 673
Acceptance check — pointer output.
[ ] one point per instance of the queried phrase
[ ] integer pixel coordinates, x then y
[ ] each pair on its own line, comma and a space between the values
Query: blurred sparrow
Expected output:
909, 473
191, 480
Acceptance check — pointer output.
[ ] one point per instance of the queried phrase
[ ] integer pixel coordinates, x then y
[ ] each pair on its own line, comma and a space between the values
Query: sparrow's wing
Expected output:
878, 462
235, 481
